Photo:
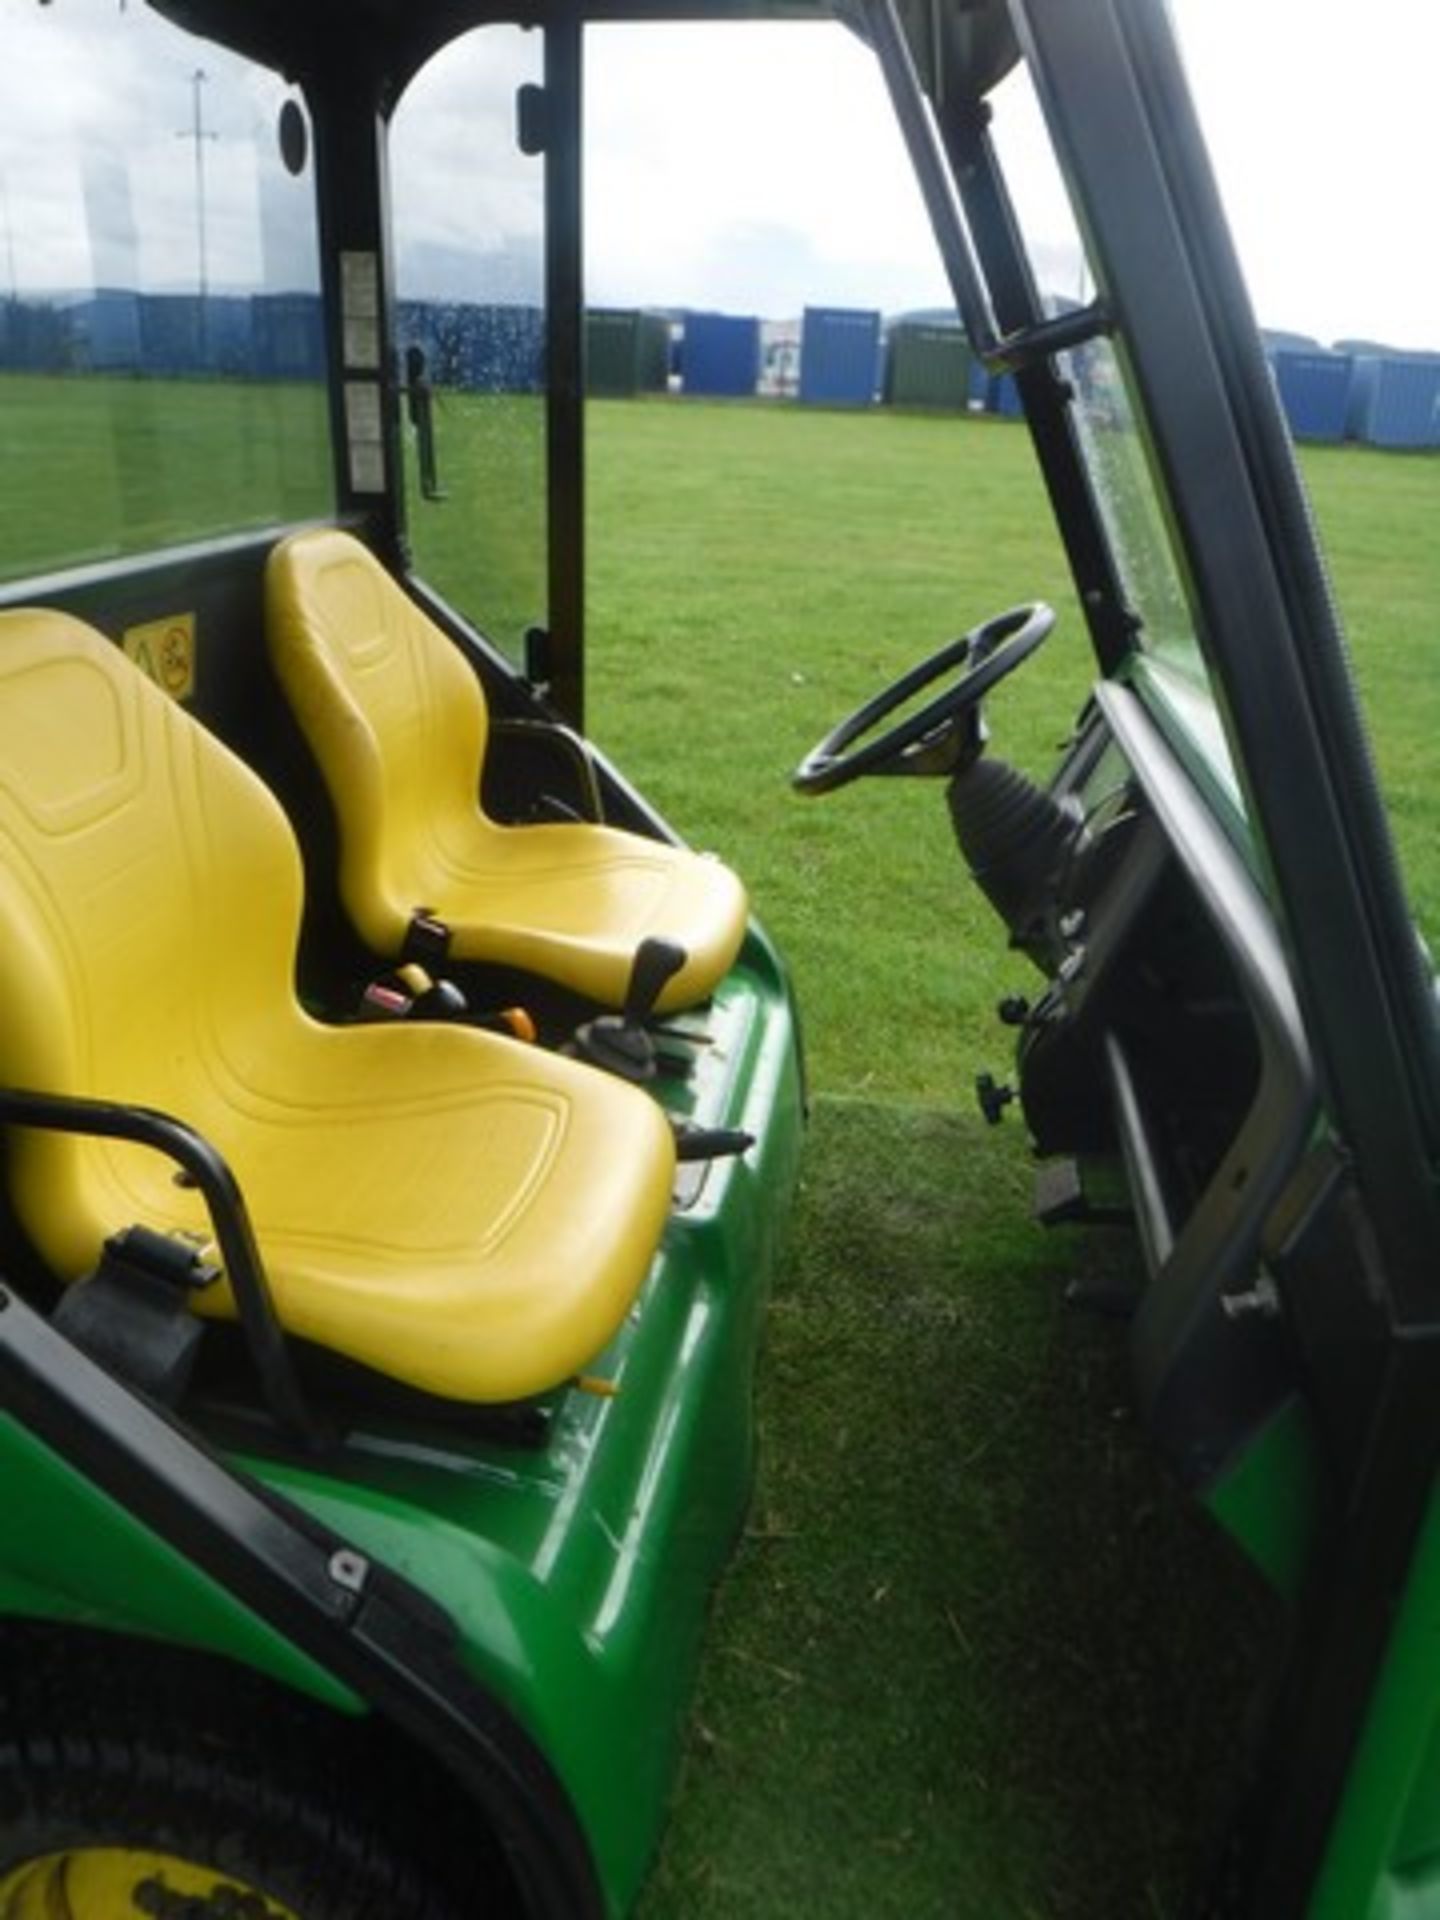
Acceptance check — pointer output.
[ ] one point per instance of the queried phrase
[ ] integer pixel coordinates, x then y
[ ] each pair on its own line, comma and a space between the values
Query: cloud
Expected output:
749, 166
704, 139
1327, 149
97, 176
468, 205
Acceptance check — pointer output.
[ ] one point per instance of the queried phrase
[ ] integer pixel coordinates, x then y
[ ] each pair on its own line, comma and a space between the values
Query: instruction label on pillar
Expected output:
360, 310
164, 650
364, 436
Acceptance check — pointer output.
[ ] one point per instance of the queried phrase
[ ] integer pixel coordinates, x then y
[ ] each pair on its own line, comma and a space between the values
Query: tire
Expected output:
142, 1782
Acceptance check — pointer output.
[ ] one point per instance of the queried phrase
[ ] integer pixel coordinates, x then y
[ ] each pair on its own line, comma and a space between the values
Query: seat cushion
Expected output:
572, 902
465, 1214
397, 722
468, 1215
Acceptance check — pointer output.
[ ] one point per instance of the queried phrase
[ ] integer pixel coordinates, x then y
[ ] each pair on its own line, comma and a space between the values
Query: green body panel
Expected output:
927, 366
626, 352
612, 352
577, 1573
72, 1553
654, 353
1383, 1857
1269, 1499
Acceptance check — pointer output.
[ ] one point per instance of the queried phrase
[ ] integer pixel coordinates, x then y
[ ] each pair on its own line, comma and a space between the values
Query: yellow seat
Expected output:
466, 1215
398, 723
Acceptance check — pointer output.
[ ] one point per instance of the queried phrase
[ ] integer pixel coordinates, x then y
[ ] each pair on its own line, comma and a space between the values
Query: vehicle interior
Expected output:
410, 1243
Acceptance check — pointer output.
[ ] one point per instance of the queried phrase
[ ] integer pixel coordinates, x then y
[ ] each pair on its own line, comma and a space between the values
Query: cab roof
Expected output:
959, 46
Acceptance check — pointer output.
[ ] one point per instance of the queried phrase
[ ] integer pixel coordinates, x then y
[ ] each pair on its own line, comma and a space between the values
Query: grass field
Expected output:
974, 1657
755, 572
95, 467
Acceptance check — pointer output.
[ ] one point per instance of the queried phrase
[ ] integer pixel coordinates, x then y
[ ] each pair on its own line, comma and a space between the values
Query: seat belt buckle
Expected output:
427, 940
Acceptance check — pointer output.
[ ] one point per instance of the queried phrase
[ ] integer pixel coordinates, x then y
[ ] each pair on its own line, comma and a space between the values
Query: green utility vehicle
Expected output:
392, 1182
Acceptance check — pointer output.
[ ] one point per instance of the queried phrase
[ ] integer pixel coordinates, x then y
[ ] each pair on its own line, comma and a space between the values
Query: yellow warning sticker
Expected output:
165, 651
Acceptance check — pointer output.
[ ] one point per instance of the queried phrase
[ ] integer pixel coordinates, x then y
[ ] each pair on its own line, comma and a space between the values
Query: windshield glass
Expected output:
1171, 669
469, 222
160, 328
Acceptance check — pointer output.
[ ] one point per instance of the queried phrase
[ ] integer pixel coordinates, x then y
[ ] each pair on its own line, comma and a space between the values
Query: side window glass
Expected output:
469, 222
160, 338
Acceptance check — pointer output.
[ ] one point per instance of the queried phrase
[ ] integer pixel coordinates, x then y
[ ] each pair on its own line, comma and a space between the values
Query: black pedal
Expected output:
133, 1313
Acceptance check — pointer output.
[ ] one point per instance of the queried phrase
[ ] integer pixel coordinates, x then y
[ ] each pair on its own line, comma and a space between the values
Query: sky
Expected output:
745, 168
781, 180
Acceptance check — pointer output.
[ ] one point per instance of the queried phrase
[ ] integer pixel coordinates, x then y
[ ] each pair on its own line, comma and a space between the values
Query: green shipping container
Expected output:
927, 366
626, 352
652, 356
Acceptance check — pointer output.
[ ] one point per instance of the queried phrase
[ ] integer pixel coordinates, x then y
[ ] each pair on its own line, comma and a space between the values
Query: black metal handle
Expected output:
220, 1190
999, 353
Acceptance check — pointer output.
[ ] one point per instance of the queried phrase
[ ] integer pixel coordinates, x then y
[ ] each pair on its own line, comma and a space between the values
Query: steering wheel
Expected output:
926, 741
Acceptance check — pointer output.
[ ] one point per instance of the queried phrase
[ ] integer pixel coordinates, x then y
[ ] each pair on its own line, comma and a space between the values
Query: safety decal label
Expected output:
164, 650
360, 309
364, 433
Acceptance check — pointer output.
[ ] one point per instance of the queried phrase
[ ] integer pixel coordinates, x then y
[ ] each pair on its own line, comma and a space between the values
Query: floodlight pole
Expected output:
9, 240
198, 132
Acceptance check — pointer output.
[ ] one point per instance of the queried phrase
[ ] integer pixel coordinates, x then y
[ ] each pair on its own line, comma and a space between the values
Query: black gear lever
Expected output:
619, 1042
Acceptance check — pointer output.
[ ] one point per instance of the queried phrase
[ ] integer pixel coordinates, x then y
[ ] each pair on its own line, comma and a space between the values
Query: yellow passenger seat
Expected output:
466, 1215
398, 723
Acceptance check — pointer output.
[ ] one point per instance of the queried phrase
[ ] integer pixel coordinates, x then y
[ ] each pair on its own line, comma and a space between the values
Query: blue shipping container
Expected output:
36, 338
415, 326
170, 332
1362, 390
1396, 401
1314, 390
839, 356
229, 341
1005, 396
720, 354
288, 336
479, 348
106, 330
504, 348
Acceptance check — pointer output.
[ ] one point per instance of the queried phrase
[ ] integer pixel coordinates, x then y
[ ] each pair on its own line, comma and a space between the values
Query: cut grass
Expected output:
1378, 514
754, 574
488, 553
975, 1657
963, 1665
91, 468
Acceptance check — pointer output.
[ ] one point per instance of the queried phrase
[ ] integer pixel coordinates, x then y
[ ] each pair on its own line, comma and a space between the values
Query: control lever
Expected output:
710, 1143
619, 1042
993, 1097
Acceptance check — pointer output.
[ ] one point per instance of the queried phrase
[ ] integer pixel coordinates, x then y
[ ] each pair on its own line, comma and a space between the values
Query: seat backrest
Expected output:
394, 716
150, 896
